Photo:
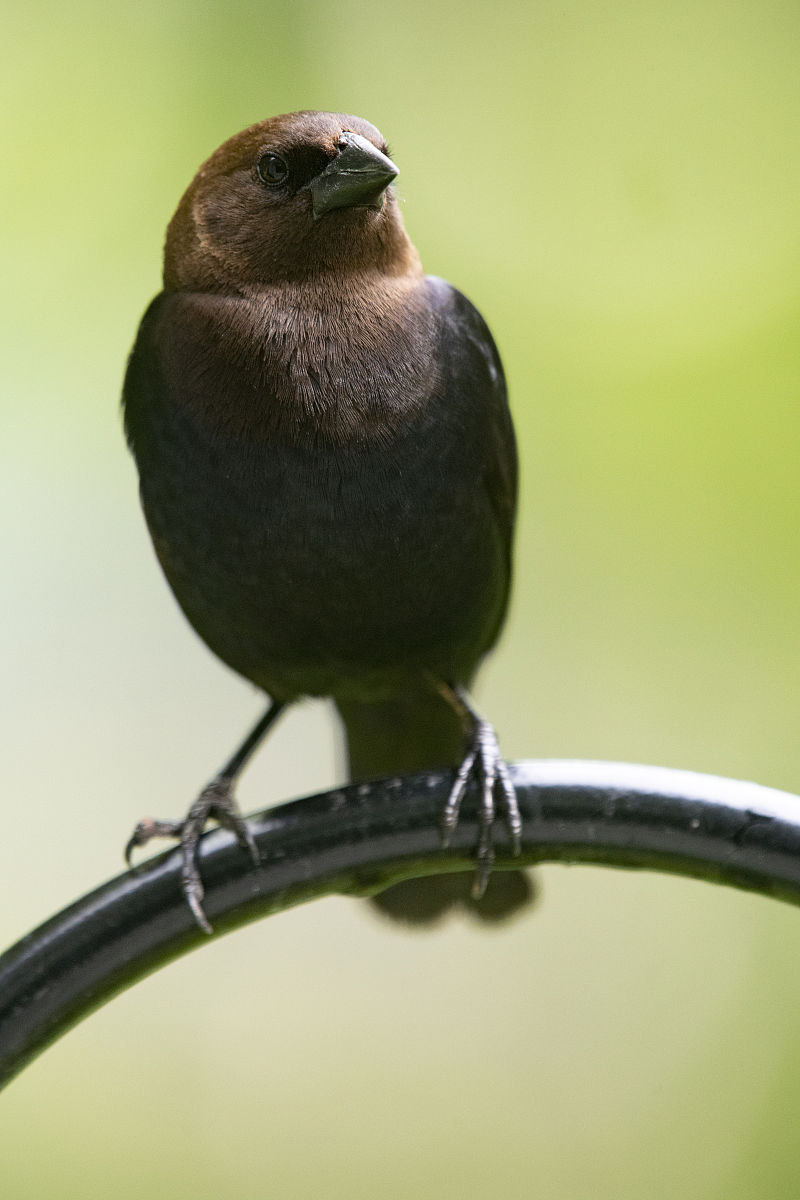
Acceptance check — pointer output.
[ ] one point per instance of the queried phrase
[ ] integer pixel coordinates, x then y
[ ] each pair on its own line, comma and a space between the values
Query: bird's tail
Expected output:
420, 732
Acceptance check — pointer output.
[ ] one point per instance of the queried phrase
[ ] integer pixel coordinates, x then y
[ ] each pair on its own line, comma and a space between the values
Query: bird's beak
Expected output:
357, 176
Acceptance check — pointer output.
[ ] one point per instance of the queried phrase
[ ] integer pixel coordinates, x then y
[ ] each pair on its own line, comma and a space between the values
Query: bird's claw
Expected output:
484, 762
216, 802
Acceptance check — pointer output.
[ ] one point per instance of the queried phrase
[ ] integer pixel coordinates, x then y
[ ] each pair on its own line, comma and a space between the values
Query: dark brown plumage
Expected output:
327, 464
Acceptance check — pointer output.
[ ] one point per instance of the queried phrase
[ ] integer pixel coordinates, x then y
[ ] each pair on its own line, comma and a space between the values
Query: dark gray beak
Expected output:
358, 176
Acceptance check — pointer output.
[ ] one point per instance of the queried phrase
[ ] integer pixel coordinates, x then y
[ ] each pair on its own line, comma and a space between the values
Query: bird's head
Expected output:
293, 198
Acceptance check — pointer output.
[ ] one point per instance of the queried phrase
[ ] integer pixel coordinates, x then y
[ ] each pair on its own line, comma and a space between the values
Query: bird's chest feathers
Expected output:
325, 368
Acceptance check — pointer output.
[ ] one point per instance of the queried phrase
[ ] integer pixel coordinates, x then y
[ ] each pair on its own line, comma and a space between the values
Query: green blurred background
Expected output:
616, 186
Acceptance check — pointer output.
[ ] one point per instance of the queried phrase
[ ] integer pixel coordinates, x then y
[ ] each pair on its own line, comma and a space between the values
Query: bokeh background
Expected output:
616, 185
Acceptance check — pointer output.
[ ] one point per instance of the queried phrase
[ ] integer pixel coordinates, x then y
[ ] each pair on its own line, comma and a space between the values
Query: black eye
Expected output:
272, 169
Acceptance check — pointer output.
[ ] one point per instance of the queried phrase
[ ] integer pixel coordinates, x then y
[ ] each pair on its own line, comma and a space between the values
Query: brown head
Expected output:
292, 198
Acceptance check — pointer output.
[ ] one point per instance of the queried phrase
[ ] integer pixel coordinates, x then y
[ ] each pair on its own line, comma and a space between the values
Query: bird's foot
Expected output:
484, 763
217, 803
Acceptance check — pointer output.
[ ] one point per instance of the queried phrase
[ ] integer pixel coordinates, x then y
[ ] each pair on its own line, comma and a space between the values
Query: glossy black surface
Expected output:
360, 839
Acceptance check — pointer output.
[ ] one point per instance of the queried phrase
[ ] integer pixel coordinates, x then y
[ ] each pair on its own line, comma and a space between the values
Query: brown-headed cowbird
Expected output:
328, 471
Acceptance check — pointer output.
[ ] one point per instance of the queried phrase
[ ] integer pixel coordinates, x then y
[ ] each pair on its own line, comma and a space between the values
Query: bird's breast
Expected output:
317, 550
335, 367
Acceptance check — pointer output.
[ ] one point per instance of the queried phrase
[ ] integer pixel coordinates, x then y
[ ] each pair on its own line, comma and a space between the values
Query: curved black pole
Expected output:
362, 838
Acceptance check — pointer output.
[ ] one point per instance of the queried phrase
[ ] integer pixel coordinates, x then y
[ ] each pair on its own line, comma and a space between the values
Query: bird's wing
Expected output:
473, 373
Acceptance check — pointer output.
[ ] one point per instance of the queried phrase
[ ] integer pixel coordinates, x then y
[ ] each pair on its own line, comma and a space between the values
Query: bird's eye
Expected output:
272, 169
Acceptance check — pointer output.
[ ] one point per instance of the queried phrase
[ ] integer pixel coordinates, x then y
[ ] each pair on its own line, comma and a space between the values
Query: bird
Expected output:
328, 472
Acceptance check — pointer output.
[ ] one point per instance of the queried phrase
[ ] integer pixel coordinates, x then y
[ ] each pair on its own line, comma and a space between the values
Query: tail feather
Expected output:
407, 733
418, 732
